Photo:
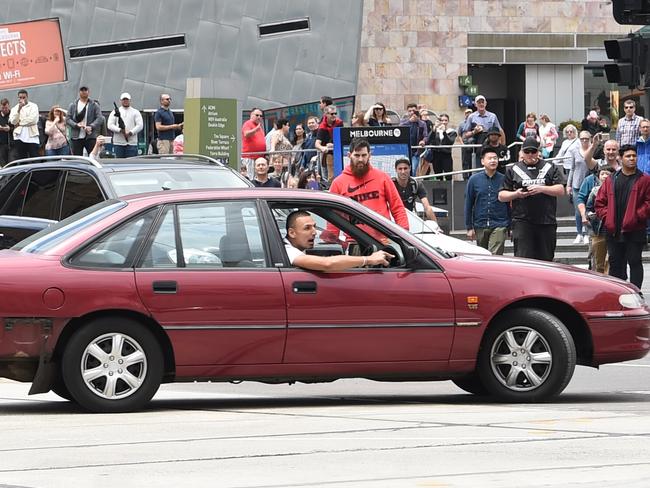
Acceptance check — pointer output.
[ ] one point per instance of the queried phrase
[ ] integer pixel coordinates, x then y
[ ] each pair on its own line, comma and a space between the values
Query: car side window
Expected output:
81, 191
12, 192
41, 196
341, 232
118, 248
210, 235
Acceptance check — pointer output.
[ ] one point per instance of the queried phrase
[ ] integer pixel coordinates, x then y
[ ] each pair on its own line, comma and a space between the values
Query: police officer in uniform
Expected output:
533, 185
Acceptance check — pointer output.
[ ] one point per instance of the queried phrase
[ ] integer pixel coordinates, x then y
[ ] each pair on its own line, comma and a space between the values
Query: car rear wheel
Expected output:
527, 356
112, 364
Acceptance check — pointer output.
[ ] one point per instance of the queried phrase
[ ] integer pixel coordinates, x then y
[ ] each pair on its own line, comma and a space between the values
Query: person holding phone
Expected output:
24, 118
533, 185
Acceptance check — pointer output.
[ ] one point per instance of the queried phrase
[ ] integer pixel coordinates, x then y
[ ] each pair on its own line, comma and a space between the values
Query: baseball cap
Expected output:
468, 110
83, 88
494, 130
479, 98
125, 95
530, 143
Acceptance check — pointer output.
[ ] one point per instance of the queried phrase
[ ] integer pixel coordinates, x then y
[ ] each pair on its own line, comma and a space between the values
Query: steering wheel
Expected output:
397, 260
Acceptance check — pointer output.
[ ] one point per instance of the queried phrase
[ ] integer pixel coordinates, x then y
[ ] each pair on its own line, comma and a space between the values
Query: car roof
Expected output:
284, 194
108, 165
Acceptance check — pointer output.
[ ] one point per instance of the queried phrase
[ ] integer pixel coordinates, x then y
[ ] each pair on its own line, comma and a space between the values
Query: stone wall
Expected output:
414, 50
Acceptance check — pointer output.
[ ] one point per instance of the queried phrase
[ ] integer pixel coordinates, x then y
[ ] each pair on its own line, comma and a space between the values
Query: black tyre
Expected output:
60, 389
112, 364
471, 384
527, 356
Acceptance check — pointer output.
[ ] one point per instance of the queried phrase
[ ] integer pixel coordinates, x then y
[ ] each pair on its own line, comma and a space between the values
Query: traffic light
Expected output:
631, 12
631, 56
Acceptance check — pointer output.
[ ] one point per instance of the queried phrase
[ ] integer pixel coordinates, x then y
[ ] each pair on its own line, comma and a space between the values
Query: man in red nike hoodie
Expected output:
369, 186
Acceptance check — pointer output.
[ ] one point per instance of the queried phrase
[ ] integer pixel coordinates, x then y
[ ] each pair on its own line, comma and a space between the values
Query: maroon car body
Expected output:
111, 302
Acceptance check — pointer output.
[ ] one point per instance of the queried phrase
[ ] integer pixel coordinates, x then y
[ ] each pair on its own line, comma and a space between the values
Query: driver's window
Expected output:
338, 232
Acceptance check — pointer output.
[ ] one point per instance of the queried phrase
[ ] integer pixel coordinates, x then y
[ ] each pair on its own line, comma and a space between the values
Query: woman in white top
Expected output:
570, 139
548, 134
55, 128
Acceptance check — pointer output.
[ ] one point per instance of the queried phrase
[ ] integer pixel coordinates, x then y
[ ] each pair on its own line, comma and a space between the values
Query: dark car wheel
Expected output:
60, 389
527, 356
471, 384
112, 364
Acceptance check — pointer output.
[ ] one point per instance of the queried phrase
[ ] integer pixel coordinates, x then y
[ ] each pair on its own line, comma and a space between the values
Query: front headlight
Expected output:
631, 300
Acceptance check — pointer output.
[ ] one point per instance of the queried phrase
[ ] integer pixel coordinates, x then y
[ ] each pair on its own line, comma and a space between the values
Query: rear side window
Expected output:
118, 248
42, 191
12, 193
81, 191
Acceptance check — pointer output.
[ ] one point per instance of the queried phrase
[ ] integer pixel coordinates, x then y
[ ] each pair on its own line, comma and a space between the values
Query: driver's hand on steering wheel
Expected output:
380, 258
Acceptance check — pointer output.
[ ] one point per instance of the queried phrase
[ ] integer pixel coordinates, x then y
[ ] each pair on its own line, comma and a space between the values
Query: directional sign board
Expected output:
212, 128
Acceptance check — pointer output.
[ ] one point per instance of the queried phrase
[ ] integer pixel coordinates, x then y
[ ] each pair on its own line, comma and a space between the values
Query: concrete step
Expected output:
565, 251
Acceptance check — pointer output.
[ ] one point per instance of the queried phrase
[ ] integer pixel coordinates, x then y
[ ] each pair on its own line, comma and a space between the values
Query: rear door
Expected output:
206, 279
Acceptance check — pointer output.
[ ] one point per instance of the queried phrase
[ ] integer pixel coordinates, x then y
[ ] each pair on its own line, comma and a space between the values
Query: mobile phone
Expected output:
108, 140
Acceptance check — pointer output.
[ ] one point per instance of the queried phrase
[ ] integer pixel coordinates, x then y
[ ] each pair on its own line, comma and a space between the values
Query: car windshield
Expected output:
419, 226
51, 236
148, 180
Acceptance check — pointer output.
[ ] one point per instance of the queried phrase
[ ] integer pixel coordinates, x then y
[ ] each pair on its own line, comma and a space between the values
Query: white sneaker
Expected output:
578, 239
585, 239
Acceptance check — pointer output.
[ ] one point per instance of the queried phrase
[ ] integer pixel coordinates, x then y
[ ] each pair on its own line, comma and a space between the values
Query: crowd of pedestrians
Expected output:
25, 133
605, 178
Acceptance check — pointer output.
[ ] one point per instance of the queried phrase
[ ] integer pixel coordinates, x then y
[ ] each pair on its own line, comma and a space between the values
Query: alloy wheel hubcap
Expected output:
113, 366
521, 359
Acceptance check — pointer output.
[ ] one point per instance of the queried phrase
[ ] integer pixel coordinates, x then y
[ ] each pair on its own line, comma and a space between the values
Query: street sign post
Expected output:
212, 128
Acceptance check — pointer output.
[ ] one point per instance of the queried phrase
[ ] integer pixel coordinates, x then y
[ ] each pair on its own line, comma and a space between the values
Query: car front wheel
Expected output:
112, 364
527, 356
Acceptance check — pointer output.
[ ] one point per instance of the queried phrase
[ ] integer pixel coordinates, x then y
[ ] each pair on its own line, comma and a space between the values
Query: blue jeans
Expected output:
125, 151
62, 151
415, 162
574, 194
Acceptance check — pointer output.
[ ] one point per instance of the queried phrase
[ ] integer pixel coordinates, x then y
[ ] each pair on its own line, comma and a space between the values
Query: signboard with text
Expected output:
212, 127
31, 53
387, 144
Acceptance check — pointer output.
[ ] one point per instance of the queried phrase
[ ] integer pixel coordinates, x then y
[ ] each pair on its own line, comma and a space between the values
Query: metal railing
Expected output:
435, 177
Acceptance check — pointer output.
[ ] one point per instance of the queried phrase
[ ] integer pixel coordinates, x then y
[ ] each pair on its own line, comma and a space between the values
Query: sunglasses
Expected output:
530, 151
333, 113
629, 108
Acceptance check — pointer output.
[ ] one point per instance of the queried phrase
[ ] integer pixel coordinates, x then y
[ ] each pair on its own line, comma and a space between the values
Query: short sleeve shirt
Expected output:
165, 117
292, 252
537, 209
412, 190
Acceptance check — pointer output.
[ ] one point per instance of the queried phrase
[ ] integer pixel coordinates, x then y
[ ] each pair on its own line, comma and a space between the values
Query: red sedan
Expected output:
196, 285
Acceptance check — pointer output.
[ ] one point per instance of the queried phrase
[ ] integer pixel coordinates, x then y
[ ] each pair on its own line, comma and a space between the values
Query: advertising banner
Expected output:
387, 145
31, 53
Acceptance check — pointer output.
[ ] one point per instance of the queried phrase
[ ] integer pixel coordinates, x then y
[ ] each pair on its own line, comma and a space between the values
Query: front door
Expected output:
364, 314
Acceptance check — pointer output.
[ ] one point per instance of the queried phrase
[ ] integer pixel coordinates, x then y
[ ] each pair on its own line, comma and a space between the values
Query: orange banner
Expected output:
31, 53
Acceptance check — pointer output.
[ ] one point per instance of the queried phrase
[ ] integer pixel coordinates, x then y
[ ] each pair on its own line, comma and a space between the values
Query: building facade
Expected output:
542, 56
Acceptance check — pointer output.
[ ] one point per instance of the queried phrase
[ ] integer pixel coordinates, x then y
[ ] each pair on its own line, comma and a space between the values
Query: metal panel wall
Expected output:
222, 44
556, 90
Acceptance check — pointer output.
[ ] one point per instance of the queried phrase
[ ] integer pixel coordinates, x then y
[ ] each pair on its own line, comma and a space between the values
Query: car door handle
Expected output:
304, 287
164, 287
